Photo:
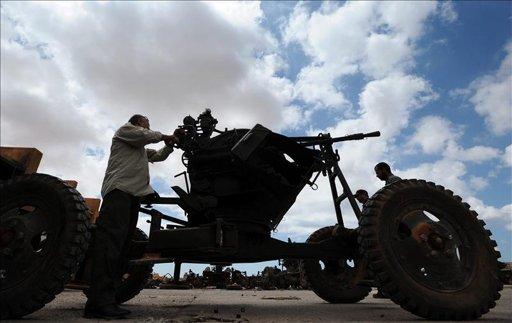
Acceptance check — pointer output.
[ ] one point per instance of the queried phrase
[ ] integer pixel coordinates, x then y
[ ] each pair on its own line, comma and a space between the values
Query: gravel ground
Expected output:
203, 305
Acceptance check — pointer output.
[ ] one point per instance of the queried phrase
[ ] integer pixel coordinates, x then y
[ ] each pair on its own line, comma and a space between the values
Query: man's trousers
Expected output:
111, 239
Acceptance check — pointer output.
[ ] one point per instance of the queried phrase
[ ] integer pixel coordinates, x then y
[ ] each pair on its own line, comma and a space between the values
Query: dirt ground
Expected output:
203, 305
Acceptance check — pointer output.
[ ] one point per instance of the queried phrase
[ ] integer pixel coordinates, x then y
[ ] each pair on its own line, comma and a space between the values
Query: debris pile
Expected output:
289, 276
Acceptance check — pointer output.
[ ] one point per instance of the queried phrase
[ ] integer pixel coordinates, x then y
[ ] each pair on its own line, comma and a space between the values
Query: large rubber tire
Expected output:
136, 276
480, 286
65, 219
326, 286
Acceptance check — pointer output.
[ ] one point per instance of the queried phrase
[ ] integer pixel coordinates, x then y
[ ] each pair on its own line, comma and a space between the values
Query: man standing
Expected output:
383, 172
126, 181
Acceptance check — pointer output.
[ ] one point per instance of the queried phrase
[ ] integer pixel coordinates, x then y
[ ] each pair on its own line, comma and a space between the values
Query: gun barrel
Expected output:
312, 141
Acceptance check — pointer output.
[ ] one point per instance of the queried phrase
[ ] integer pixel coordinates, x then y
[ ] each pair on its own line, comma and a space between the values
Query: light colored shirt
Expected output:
392, 179
127, 168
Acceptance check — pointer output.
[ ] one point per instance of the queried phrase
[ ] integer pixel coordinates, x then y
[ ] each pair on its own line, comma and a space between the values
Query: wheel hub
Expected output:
24, 241
429, 248
12, 236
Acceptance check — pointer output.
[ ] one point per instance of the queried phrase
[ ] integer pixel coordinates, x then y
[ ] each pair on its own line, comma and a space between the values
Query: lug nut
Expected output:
434, 253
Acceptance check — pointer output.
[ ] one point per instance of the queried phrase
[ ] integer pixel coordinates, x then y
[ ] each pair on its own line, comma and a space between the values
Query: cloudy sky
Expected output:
434, 78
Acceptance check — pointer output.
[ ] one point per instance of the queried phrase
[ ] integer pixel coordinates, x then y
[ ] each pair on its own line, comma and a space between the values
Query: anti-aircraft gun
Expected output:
424, 246
416, 240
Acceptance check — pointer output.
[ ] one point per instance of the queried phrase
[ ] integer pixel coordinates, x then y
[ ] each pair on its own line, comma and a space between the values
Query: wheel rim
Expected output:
432, 248
28, 233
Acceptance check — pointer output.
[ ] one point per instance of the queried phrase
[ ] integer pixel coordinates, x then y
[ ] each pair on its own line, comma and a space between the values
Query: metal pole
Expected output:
334, 192
177, 271
347, 192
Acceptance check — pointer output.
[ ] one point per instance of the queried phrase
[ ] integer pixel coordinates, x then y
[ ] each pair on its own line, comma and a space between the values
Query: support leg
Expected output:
177, 272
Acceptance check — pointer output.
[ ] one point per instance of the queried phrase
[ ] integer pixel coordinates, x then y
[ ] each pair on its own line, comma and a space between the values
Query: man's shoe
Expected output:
128, 312
111, 311
379, 294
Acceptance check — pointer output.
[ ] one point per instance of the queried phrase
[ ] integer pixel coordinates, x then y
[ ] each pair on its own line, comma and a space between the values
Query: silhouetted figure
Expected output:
383, 172
361, 196
126, 181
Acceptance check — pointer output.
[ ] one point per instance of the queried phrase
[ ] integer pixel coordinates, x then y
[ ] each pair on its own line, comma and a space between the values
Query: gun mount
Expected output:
250, 176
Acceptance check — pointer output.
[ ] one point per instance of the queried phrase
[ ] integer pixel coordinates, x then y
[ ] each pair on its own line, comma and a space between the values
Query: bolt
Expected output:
434, 253
439, 240
448, 253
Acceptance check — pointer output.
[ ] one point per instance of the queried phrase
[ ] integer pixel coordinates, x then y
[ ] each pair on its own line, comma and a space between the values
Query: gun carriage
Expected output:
416, 240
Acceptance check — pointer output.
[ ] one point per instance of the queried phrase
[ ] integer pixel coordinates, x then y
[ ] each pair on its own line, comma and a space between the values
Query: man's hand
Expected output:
170, 140
179, 132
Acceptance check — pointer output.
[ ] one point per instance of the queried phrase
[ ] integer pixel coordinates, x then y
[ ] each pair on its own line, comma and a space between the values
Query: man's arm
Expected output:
138, 136
159, 155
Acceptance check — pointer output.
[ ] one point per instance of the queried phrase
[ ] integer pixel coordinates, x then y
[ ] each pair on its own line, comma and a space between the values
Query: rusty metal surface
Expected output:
29, 158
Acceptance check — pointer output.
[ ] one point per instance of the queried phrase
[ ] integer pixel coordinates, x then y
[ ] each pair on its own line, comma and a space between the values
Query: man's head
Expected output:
139, 120
383, 171
361, 196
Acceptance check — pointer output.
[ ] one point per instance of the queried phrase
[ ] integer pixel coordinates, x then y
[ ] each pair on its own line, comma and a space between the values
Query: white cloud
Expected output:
490, 212
386, 104
478, 183
376, 38
433, 133
507, 156
294, 117
297, 27
443, 172
386, 54
315, 86
476, 154
491, 96
241, 14
447, 11
71, 73
407, 18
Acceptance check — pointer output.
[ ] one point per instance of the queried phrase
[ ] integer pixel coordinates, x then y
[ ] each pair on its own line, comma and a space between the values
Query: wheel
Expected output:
429, 252
135, 277
335, 281
44, 231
